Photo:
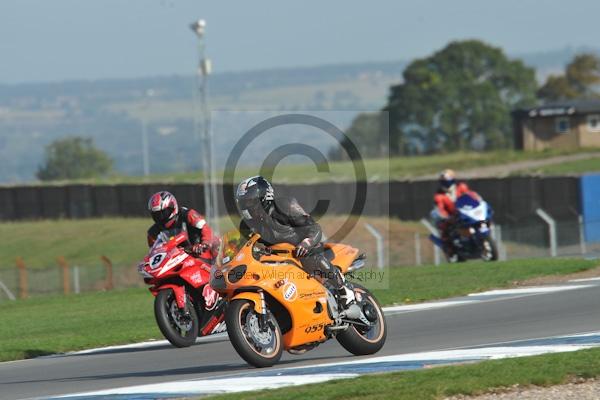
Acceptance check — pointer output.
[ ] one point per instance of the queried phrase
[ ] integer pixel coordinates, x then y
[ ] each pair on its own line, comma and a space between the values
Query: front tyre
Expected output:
360, 340
489, 250
180, 327
258, 347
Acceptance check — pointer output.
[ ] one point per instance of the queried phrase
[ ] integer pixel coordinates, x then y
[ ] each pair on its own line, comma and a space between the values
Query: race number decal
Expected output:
157, 259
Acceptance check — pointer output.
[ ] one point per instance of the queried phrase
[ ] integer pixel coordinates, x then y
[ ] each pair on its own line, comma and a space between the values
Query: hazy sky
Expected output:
43, 40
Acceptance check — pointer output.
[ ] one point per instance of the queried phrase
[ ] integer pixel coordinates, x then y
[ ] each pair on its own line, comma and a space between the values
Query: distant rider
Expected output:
282, 220
448, 191
167, 215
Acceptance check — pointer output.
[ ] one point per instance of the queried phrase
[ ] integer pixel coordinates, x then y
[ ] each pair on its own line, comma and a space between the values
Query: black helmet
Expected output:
252, 195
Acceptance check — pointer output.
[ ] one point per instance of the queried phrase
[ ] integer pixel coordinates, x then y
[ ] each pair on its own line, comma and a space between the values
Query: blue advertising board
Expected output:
590, 206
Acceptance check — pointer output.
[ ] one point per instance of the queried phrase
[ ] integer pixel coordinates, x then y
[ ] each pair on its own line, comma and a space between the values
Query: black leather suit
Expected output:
285, 221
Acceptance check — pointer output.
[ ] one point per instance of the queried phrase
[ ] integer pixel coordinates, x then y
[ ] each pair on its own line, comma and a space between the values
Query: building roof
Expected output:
567, 107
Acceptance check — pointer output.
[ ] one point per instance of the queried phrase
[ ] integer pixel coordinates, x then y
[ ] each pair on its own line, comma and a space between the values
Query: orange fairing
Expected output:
344, 255
298, 301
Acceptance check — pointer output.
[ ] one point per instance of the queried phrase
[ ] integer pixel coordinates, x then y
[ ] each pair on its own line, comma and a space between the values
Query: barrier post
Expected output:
23, 281
76, 281
551, 230
66, 280
379, 242
108, 284
582, 244
417, 248
434, 231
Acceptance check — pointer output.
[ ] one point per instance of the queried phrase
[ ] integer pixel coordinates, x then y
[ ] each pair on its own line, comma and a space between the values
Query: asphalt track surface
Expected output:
491, 320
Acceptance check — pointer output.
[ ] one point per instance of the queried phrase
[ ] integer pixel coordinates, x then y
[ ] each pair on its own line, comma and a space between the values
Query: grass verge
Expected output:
54, 324
380, 169
417, 284
570, 167
437, 383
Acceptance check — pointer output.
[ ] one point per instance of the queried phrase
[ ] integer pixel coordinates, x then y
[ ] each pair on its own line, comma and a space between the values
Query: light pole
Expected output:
208, 159
145, 147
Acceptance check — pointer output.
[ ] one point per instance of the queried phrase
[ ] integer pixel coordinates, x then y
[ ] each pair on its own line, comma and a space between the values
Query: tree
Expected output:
73, 158
368, 133
462, 93
579, 81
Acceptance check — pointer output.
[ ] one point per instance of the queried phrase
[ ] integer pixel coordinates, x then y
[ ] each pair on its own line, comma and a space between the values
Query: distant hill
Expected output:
111, 111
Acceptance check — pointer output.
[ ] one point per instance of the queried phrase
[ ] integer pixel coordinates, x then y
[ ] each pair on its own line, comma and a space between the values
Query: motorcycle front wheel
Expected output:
179, 327
489, 250
258, 346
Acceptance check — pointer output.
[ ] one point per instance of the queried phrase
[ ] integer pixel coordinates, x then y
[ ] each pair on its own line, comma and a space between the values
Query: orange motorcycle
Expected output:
274, 305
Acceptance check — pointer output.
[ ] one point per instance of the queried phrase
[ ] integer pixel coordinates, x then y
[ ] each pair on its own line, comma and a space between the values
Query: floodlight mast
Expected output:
208, 159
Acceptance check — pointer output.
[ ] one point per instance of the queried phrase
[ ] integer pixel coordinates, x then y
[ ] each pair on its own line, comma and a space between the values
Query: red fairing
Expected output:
196, 275
178, 290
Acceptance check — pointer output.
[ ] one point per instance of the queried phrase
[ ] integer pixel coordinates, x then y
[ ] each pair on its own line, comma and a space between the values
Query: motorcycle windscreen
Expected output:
474, 214
231, 244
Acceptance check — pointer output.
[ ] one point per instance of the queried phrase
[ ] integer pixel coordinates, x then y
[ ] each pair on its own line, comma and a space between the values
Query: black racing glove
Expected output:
303, 248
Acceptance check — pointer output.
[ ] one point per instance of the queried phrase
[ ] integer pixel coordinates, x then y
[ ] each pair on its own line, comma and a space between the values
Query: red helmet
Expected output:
163, 208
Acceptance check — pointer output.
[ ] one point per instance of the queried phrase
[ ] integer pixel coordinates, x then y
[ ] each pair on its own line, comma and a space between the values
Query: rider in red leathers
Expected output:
444, 199
167, 215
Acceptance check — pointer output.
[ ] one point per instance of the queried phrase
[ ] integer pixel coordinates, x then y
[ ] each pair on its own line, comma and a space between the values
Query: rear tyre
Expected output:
179, 327
489, 250
258, 347
362, 341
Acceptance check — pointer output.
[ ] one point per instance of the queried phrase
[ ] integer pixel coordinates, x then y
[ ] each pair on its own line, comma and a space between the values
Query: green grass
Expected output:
54, 324
571, 167
417, 284
379, 169
81, 242
437, 383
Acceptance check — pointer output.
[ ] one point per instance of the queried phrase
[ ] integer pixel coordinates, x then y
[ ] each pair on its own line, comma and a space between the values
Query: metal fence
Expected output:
386, 242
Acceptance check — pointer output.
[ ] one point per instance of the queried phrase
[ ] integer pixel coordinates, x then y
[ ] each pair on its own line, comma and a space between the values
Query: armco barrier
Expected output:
513, 199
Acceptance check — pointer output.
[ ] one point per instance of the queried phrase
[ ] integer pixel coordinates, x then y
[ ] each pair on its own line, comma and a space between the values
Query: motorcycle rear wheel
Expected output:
259, 348
359, 341
179, 327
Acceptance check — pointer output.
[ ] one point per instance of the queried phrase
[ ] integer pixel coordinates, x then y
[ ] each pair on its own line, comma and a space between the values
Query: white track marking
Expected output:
216, 386
293, 376
585, 280
390, 310
529, 290
141, 345
425, 306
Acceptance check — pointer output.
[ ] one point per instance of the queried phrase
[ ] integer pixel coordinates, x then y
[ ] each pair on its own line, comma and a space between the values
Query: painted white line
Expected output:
529, 290
282, 377
141, 345
425, 306
390, 310
585, 279
216, 386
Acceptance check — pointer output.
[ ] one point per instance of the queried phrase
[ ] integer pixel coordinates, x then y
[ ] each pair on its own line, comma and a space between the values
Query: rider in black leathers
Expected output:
283, 220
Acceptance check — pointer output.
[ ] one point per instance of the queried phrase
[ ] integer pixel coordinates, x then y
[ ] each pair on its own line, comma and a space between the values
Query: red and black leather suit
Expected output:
199, 232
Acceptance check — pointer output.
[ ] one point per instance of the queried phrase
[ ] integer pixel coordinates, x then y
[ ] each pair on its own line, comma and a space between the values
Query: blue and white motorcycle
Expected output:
470, 232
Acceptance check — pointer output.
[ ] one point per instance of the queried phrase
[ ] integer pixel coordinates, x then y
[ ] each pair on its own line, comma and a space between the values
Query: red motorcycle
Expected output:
185, 306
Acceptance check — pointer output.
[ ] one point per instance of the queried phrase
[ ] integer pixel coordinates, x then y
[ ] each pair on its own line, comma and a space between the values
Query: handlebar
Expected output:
267, 251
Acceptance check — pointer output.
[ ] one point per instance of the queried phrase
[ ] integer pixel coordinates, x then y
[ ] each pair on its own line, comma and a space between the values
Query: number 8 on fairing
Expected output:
156, 260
